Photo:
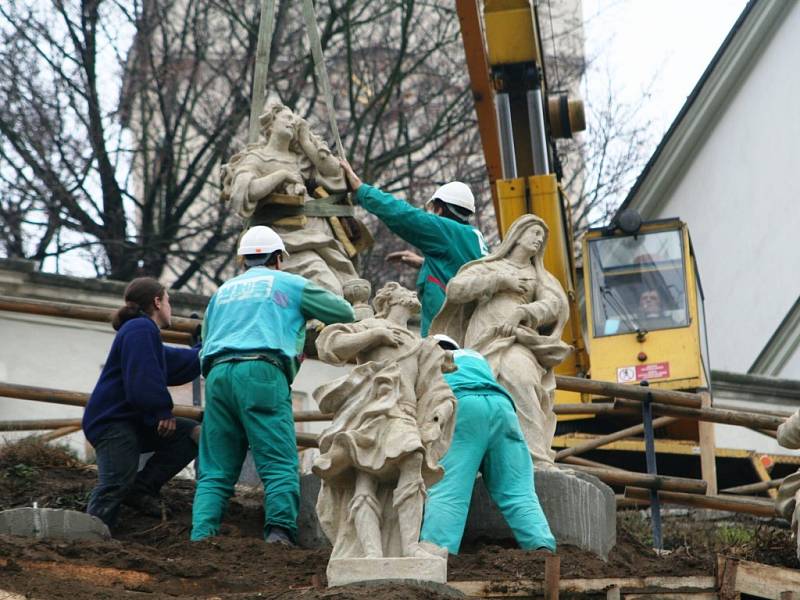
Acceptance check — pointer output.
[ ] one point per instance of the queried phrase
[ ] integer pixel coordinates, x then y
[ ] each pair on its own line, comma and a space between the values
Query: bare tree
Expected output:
117, 115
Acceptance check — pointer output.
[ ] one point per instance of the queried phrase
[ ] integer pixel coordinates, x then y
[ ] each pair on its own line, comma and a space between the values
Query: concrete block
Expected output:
342, 571
43, 523
580, 509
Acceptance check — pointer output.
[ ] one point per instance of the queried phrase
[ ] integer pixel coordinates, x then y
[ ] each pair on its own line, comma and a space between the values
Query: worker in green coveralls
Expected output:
444, 235
254, 330
487, 438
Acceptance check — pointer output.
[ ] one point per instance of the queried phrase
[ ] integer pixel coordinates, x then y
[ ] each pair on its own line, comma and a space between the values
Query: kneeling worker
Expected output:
444, 236
488, 439
253, 332
130, 410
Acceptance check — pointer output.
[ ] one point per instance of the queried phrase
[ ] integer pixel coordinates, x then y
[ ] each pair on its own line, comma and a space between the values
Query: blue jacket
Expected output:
133, 383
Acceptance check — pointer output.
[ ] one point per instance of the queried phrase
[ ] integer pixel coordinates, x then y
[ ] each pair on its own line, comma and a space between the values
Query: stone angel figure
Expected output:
274, 182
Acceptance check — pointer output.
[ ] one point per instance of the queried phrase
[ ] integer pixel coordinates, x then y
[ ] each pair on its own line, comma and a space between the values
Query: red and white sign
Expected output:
643, 372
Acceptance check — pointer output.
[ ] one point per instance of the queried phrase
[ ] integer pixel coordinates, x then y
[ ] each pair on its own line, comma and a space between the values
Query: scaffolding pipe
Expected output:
37, 424
612, 437
748, 505
179, 332
643, 480
712, 415
58, 433
68, 398
617, 390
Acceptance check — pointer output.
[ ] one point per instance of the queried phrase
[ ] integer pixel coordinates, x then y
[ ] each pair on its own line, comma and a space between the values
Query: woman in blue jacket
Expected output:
130, 409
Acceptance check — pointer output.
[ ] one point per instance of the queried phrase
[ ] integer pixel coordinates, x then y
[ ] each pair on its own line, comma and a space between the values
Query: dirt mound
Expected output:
152, 556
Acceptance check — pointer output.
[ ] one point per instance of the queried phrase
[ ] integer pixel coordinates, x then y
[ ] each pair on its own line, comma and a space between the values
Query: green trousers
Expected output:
248, 404
488, 438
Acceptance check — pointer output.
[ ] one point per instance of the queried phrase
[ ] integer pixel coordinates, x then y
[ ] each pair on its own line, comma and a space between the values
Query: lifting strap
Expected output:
261, 67
322, 73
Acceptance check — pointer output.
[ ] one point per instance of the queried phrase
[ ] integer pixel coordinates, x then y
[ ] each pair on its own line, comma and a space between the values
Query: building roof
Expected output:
725, 73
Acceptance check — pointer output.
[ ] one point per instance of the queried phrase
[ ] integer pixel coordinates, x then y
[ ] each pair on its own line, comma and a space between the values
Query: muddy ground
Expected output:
153, 558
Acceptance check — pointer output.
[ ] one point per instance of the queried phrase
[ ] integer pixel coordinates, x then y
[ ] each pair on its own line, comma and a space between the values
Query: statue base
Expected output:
343, 571
581, 511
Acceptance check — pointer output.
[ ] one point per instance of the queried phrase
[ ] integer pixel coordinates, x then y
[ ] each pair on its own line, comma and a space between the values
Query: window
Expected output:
638, 283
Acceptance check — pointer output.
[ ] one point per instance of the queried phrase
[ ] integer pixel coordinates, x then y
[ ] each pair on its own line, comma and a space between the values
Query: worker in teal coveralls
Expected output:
444, 236
488, 439
254, 330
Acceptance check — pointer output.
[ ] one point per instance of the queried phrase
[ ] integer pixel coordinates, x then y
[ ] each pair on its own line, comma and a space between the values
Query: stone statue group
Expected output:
394, 413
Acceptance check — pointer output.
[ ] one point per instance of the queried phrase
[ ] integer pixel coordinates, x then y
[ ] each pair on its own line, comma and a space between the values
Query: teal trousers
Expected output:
248, 404
488, 439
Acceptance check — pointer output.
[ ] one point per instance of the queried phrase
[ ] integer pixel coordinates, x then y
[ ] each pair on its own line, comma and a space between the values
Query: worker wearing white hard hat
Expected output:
487, 438
443, 235
253, 331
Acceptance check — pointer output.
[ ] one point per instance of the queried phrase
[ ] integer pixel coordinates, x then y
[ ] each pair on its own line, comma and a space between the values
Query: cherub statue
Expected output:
510, 309
394, 419
272, 182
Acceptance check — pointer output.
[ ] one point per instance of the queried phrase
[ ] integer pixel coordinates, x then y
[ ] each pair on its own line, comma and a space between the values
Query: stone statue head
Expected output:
393, 294
528, 231
279, 117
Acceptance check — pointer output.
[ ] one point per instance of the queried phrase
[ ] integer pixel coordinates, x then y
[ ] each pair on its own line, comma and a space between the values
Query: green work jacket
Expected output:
446, 244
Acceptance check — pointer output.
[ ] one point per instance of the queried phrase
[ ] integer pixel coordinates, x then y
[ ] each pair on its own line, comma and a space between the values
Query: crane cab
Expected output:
644, 306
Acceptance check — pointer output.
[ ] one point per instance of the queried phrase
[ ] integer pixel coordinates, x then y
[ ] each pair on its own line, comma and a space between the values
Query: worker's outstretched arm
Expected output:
318, 303
419, 228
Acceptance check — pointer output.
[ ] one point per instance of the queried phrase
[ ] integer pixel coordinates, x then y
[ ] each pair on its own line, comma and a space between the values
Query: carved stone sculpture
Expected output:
272, 182
356, 292
394, 419
786, 503
510, 309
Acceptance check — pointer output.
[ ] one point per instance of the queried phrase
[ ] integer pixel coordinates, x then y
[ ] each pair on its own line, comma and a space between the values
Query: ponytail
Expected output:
140, 298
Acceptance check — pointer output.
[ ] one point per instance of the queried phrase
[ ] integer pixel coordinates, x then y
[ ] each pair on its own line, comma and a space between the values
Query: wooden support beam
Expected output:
613, 593
747, 505
37, 424
755, 579
307, 440
311, 416
655, 482
754, 488
57, 433
763, 475
529, 587
633, 392
552, 576
713, 415
589, 408
179, 332
69, 398
602, 440
585, 462
708, 460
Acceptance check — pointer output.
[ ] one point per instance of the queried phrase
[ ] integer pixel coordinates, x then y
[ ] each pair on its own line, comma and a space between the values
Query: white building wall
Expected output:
740, 198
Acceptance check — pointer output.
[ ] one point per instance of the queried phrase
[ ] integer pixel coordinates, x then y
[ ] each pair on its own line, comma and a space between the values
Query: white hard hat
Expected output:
260, 240
440, 337
457, 194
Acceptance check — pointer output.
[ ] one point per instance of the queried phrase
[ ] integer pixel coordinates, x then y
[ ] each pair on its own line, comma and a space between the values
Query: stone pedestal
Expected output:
342, 571
580, 509
44, 523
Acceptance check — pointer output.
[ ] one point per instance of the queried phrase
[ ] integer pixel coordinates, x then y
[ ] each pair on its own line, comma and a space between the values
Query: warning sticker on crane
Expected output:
643, 372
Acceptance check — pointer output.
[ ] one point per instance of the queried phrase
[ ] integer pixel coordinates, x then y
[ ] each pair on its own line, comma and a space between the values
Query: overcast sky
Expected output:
660, 45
